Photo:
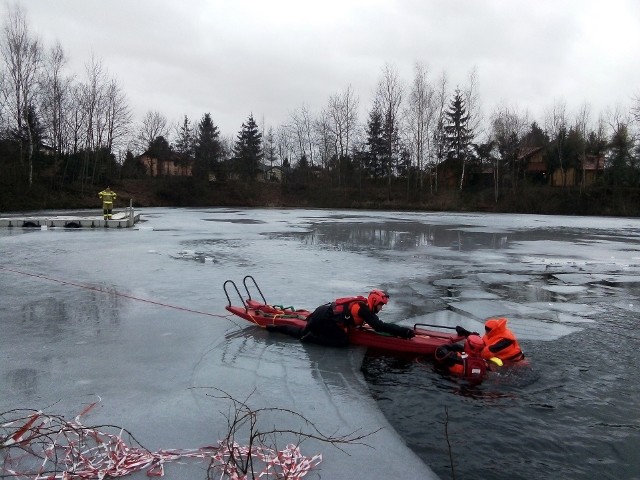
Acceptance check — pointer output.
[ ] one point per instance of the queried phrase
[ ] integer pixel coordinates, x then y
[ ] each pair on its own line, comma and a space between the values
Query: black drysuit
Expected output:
327, 327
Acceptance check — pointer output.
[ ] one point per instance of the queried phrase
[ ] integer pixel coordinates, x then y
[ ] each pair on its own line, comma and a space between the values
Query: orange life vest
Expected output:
499, 332
471, 368
346, 310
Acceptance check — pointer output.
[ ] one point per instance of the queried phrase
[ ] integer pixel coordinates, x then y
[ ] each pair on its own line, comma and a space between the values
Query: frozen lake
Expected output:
136, 317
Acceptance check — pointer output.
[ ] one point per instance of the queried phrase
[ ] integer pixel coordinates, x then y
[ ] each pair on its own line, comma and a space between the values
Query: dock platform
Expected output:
124, 219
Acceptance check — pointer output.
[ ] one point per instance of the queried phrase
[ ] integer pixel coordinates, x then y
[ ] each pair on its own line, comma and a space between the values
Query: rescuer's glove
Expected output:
407, 333
463, 332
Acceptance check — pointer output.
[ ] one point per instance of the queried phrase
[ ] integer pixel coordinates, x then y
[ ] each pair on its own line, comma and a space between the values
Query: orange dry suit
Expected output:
500, 341
463, 361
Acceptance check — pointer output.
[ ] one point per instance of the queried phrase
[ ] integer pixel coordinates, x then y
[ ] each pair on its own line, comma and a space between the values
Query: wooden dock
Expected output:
124, 219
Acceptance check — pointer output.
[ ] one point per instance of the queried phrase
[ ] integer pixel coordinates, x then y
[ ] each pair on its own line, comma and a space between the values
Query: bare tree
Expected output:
620, 145
472, 102
76, 119
284, 145
438, 152
635, 107
55, 98
302, 130
117, 116
509, 126
226, 146
420, 116
389, 94
93, 92
270, 150
556, 127
581, 125
22, 55
4, 121
99, 121
324, 138
343, 114
153, 125
73, 128
92, 103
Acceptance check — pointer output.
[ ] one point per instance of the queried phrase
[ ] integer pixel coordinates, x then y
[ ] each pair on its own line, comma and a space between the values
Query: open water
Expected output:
570, 287
571, 290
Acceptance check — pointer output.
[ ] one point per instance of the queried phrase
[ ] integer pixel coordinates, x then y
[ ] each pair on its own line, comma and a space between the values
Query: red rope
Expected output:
112, 292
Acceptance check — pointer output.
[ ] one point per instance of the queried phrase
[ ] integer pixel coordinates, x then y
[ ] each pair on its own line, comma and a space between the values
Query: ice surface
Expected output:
137, 316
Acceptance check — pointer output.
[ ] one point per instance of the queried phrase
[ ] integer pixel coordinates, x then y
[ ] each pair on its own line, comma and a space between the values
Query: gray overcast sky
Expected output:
268, 57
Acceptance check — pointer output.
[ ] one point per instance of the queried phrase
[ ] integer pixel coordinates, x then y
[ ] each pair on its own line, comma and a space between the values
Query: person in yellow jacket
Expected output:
107, 196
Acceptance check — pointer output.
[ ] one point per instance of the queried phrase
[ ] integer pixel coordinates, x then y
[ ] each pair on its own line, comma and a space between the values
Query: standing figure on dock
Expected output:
107, 196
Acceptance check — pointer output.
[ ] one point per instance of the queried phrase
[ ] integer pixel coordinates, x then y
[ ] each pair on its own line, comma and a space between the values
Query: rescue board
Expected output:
261, 313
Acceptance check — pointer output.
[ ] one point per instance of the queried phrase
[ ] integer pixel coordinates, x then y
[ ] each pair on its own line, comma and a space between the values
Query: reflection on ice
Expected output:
632, 307
577, 278
443, 318
23, 382
576, 310
502, 278
565, 289
474, 294
565, 318
483, 309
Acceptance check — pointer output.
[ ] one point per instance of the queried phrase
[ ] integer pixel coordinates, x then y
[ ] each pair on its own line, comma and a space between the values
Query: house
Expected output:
46, 150
534, 163
176, 165
449, 171
264, 173
592, 167
536, 168
270, 173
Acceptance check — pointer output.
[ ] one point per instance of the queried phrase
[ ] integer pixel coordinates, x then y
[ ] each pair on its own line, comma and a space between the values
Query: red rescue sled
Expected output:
262, 314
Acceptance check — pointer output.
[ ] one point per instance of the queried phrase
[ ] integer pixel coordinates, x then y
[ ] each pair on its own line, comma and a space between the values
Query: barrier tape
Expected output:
73, 451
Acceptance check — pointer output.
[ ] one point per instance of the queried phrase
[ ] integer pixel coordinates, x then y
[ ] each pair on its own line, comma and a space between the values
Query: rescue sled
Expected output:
261, 313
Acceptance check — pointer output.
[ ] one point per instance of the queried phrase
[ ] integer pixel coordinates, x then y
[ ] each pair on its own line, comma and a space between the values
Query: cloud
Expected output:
268, 58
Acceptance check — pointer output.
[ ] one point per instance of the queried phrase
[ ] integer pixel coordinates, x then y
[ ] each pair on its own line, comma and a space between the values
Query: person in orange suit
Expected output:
464, 360
500, 341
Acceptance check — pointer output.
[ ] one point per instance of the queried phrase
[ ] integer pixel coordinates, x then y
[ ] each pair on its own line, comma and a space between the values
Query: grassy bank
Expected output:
184, 193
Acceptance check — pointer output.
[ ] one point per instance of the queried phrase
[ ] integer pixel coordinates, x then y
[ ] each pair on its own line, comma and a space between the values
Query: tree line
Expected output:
65, 131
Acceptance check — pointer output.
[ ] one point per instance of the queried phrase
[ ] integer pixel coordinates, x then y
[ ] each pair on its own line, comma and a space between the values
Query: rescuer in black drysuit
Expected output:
330, 323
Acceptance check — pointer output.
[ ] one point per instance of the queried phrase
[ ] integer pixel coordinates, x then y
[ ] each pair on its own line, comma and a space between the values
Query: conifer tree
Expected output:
159, 148
391, 139
247, 150
535, 137
208, 149
270, 150
621, 169
131, 167
185, 140
457, 133
376, 144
